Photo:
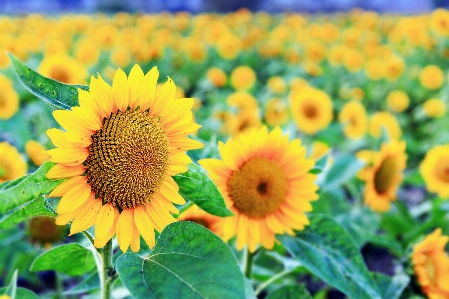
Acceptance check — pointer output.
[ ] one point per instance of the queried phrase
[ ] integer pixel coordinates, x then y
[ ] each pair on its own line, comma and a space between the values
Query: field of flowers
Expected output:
241, 155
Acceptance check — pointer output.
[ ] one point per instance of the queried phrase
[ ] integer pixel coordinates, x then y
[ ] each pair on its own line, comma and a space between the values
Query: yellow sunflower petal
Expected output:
120, 91
135, 241
73, 198
171, 195
148, 91
125, 225
144, 226
86, 216
135, 82
62, 189
68, 156
104, 221
61, 171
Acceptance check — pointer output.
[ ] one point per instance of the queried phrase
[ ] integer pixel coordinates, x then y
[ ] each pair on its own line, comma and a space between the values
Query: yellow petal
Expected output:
144, 226
57, 137
171, 195
70, 122
61, 171
101, 92
63, 219
73, 199
124, 230
105, 221
62, 189
148, 91
90, 119
135, 82
120, 90
164, 98
86, 216
71, 156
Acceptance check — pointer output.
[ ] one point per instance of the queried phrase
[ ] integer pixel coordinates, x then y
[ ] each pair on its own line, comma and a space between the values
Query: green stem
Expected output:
270, 281
88, 236
107, 272
59, 286
249, 263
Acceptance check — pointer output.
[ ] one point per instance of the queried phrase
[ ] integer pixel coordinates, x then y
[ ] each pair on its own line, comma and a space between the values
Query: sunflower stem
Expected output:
107, 272
88, 236
249, 263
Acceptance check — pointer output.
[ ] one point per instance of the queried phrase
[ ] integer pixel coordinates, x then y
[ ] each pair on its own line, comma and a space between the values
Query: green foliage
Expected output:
391, 287
196, 186
36, 207
188, 261
27, 189
345, 167
71, 259
14, 292
54, 93
321, 163
327, 251
290, 292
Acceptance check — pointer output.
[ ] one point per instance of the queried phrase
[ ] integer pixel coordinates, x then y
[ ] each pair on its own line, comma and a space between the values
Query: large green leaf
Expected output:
196, 186
327, 250
37, 207
290, 292
21, 293
28, 189
391, 287
71, 259
345, 167
89, 283
188, 261
56, 94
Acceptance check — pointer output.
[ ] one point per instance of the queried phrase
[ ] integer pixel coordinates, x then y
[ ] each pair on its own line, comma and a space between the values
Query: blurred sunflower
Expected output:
434, 108
397, 100
385, 176
387, 121
439, 21
353, 60
12, 165
394, 67
276, 112
119, 152
366, 156
63, 68
243, 78
36, 152
431, 77
265, 182
9, 99
217, 77
375, 69
354, 120
195, 214
431, 265
311, 109
435, 170
277, 85
44, 230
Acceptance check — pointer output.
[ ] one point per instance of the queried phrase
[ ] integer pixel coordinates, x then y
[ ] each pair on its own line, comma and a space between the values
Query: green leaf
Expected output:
391, 287
188, 261
11, 289
72, 259
249, 291
90, 283
21, 293
58, 95
196, 186
37, 207
321, 163
290, 292
327, 250
27, 189
345, 167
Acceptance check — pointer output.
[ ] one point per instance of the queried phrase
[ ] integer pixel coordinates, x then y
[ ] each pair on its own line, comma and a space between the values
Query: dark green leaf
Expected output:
37, 207
188, 261
56, 94
391, 287
321, 163
11, 289
71, 259
249, 291
21, 293
28, 189
196, 186
290, 292
345, 167
327, 251
91, 282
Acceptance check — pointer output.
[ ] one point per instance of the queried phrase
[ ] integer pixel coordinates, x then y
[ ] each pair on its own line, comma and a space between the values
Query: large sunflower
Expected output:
385, 176
121, 147
431, 265
435, 170
265, 182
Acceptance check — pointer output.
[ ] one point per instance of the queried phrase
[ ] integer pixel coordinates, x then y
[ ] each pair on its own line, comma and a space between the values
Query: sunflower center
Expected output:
128, 159
2, 100
258, 188
385, 175
59, 74
443, 169
199, 221
310, 111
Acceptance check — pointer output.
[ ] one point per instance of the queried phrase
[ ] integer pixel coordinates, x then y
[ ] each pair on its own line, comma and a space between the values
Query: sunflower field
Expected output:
240, 155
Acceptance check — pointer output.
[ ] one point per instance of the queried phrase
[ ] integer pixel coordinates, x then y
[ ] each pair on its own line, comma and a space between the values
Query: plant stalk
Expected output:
249, 263
107, 272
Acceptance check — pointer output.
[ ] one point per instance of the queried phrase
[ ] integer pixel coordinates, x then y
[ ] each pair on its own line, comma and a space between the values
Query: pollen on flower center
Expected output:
128, 159
258, 188
310, 111
384, 176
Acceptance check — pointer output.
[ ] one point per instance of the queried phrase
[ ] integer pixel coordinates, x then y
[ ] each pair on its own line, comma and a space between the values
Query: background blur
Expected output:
196, 6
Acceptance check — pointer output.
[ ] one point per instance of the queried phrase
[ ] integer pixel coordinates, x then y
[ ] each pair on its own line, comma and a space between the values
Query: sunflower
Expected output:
439, 21
431, 77
353, 60
397, 100
12, 165
435, 170
385, 120
276, 112
195, 214
354, 120
394, 67
375, 69
63, 68
9, 99
243, 78
385, 176
121, 147
265, 182
35, 151
431, 265
217, 77
434, 108
44, 230
311, 109
277, 85
366, 156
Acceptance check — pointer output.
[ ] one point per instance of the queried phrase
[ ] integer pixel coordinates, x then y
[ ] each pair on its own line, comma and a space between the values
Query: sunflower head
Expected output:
397, 100
431, 77
35, 151
435, 170
384, 176
9, 99
276, 112
265, 182
195, 214
12, 165
439, 22
63, 68
119, 151
44, 230
431, 265
243, 78
434, 107
387, 121
217, 77
354, 120
277, 85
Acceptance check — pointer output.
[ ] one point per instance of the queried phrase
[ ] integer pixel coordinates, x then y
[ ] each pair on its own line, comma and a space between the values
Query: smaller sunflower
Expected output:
354, 120
9, 99
276, 112
385, 120
266, 184
385, 176
195, 214
431, 77
12, 165
311, 109
439, 22
35, 151
434, 108
431, 265
217, 77
435, 170
63, 68
397, 100
243, 78
277, 85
